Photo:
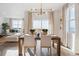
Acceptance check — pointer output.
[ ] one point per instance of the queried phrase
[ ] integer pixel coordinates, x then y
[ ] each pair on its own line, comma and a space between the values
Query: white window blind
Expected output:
16, 23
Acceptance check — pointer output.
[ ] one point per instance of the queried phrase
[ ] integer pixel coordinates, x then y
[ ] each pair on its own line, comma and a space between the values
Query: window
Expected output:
72, 19
70, 26
45, 24
38, 24
17, 24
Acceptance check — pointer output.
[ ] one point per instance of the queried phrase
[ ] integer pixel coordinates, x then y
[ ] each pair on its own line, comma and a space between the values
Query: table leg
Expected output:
58, 47
53, 43
20, 47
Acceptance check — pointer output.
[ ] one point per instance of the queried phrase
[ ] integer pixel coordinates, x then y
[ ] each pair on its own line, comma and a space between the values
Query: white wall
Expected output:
57, 22
77, 28
12, 10
59, 32
17, 10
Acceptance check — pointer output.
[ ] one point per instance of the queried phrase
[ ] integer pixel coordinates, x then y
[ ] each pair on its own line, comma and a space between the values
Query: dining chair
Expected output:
46, 42
29, 42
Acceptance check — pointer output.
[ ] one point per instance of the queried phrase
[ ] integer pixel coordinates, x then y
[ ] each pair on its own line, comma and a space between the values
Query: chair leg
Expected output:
34, 50
53, 44
50, 51
25, 50
41, 51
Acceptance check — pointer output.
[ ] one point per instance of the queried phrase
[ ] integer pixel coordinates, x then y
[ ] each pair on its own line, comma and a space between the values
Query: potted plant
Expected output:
32, 31
5, 26
44, 31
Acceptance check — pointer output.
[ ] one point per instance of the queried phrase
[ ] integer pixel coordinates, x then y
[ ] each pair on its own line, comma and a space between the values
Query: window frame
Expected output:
71, 18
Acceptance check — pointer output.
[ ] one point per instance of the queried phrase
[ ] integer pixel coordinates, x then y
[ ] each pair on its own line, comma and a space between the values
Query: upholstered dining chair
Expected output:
46, 42
29, 42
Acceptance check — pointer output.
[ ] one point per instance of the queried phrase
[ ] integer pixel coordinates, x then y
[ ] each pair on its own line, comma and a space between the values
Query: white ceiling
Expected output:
18, 9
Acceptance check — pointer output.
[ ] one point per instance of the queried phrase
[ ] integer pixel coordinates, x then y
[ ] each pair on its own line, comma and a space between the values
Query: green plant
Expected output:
32, 31
5, 26
44, 30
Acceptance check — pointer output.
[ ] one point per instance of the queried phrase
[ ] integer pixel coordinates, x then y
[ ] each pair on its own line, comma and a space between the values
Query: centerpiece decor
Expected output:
32, 31
45, 31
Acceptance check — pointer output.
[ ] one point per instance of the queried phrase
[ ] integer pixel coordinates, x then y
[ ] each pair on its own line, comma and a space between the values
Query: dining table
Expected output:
53, 38
58, 41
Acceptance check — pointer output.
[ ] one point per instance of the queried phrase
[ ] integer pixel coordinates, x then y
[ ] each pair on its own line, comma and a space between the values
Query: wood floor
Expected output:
11, 49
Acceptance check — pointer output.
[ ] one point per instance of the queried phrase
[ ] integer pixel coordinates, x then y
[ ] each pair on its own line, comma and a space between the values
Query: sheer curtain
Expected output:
51, 22
40, 22
29, 22
10, 23
45, 21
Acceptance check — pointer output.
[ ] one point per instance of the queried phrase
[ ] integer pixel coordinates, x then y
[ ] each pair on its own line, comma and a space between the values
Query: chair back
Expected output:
29, 40
45, 40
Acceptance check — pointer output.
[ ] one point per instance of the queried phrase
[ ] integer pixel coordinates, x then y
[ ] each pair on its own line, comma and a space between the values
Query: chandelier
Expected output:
41, 10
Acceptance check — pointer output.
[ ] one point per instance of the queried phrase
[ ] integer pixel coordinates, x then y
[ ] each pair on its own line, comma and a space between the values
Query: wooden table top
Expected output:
3, 39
